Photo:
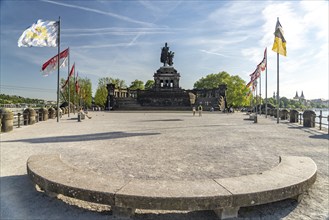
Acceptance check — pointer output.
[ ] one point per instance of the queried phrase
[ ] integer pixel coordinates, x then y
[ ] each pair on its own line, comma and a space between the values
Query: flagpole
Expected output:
266, 85
74, 92
277, 90
256, 109
68, 78
260, 93
58, 58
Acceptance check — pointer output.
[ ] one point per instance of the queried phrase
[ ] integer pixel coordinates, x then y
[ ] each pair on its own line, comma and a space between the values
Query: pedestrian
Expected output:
193, 109
200, 110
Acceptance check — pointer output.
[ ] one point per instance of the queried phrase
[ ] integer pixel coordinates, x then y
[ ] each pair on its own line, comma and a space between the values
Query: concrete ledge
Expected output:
292, 177
52, 175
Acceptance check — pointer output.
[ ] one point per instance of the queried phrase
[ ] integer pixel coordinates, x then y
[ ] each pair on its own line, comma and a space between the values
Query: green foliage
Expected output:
102, 82
101, 92
289, 103
212, 81
149, 84
119, 84
13, 99
69, 89
85, 92
136, 84
318, 105
85, 95
236, 87
101, 96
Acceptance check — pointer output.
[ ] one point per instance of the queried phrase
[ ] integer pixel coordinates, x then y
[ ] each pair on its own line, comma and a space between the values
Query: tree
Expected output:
101, 97
149, 84
119, 84
236, 94
136, 84
101, 92
284, 102
85, 93
84, 97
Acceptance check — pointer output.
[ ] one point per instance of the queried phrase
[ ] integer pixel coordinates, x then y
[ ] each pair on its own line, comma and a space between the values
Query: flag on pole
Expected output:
40, 34
254, 76
77, 87
52, 64
72, 70
249, 84
68, 78
279, 45
254, 85
263, 64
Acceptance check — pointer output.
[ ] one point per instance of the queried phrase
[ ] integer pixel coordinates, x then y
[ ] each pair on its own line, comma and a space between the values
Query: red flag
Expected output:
263, 64
249, 84
254, 85
72, 70
254, 76
52, 64
77, 87
68, 78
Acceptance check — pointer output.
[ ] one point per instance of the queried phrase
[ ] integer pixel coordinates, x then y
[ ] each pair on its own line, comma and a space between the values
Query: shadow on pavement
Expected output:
20, 200
315, 132
320, 136
162, 120
83, 137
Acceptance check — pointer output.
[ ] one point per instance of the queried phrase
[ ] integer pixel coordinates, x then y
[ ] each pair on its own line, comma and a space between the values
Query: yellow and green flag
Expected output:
279, 44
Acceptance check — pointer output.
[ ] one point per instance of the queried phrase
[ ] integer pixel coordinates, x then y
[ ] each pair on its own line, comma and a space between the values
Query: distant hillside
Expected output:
13, 99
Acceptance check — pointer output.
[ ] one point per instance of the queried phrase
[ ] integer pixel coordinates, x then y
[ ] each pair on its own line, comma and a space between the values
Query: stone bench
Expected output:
290, 179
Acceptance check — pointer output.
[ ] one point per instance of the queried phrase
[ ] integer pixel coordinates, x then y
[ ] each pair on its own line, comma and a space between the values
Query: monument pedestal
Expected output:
166, 79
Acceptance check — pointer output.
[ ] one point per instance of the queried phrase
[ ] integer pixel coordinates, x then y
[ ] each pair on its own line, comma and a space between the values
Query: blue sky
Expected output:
123, 39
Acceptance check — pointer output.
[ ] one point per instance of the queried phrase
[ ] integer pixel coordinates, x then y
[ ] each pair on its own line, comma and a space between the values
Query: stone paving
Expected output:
161, 145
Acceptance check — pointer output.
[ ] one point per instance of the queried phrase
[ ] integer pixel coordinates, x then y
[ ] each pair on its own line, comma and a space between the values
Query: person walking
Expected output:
200, 110
193, 109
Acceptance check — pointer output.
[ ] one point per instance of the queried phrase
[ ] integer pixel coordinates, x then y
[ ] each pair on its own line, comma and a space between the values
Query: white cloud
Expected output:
214, 53
238, 13
316, 17
207, 37
117, 16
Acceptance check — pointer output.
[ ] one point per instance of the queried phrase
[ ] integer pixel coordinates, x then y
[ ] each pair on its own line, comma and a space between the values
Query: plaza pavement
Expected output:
160, 145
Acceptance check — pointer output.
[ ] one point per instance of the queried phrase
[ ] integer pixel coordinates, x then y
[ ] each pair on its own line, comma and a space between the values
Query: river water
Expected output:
325, 113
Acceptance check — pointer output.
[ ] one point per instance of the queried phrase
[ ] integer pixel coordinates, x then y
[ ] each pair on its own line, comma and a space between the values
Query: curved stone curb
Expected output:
292, 177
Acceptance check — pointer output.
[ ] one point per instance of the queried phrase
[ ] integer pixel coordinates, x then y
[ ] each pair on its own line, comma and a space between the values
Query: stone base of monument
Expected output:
290, 179
165, 99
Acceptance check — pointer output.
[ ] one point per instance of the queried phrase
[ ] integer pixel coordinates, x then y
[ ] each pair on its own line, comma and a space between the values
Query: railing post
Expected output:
320, 117
19, 120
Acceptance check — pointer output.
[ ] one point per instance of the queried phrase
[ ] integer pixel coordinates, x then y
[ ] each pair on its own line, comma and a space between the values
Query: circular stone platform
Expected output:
173, 146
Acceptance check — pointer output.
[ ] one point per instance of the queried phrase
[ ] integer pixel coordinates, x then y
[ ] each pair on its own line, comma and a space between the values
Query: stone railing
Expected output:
306, 118
10, 120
